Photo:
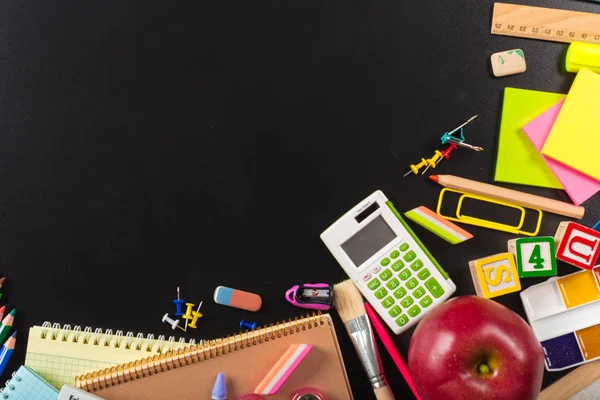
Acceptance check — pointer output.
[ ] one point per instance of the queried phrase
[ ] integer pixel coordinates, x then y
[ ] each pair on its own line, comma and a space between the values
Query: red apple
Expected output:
474, 348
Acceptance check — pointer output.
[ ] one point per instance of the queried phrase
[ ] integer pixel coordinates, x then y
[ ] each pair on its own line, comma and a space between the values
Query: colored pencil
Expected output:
2, 311
7, 323
389, 345
509, 195
2, 281
6, 351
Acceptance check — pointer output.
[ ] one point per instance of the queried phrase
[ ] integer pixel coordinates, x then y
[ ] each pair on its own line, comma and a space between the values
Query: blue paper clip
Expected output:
459, 140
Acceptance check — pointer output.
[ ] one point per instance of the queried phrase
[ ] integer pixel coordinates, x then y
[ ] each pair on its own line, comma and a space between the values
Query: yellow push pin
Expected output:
196, 316
188, 313
415, 168
433, 161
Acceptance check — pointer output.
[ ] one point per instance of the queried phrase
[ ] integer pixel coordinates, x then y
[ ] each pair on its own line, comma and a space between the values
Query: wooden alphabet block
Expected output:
577, 245
535, 256
495, 275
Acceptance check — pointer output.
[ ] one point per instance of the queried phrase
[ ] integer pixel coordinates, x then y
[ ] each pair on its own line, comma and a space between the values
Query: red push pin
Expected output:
446, 153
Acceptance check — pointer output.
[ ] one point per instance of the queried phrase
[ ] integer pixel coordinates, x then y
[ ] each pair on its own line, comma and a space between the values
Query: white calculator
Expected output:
388, 262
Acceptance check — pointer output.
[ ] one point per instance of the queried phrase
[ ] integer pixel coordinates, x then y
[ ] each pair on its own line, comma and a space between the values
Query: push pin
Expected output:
247, 325
196, 316
173, 322
459, 140
446, 153
178, 303
433, 161
415, 168
188, 313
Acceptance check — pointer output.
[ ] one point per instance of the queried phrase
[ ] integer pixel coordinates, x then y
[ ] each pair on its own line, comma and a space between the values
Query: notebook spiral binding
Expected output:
10, 385
97, 337
195, 353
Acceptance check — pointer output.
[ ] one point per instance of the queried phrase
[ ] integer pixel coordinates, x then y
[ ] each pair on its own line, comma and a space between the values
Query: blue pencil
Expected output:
7, 350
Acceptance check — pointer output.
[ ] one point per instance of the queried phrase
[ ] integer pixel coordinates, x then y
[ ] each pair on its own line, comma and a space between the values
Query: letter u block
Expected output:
495, 275
577, 245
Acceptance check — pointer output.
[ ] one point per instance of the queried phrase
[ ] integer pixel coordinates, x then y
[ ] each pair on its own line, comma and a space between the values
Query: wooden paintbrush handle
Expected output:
384, 393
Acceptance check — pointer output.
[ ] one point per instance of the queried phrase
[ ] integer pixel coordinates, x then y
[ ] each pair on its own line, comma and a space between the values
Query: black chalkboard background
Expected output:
147, 145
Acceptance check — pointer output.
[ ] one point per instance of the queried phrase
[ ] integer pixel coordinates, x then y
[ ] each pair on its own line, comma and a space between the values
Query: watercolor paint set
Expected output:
564, 314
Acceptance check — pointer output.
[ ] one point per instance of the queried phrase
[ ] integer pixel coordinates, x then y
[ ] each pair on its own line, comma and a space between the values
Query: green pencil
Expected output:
6, 325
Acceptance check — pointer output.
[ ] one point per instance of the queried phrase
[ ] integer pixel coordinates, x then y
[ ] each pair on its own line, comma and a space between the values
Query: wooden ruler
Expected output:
545, 23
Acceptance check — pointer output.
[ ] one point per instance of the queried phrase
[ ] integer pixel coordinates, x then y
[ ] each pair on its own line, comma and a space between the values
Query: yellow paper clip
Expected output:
465, 219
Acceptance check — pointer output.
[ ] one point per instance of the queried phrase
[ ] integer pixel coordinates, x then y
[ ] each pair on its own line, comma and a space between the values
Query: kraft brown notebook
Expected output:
244, 359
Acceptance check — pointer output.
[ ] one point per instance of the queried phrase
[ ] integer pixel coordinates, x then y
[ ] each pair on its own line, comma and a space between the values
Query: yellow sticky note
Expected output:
574, 137
518, 160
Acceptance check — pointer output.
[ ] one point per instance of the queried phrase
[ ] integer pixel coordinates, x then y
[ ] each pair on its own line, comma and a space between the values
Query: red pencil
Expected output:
2, 310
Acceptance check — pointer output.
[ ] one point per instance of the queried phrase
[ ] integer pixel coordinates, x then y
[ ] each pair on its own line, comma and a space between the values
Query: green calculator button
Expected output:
419, 292
374, 284
385, 261
414, 311
403, 320
385, 275
416, 265
388, 302
394, 311
393, 284
426, 302
412, 283
397, 265
434, 287
380, 293
410, 256
404, 274
407, 302
399, 293
404, 247
395, 254
424, 274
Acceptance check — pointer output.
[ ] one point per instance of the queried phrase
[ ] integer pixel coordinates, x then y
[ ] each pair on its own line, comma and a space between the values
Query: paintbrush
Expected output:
349, 304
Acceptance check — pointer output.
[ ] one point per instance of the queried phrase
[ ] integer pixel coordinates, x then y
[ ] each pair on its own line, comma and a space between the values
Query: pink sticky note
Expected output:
579, 187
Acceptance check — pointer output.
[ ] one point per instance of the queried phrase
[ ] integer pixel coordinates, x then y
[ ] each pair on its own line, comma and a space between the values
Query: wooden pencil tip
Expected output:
434, 178
14, 335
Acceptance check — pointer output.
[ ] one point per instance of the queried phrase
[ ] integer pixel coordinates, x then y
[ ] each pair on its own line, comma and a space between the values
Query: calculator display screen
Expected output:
368, 241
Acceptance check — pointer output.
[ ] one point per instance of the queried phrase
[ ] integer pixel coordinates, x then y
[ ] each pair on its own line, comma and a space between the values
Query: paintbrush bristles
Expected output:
348, 300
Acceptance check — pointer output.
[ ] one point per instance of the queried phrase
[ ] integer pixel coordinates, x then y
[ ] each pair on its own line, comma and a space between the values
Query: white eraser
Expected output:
508, 62
69, 392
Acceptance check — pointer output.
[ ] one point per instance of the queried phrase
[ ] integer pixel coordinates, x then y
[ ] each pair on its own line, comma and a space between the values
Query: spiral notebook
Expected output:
25, 384
244, 359
58, 353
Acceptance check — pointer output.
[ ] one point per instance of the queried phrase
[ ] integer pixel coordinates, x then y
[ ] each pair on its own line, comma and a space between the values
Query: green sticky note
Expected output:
518, 161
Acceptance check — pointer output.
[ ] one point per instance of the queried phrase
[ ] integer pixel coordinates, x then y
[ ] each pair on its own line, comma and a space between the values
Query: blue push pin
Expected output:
459, 138
247, 325
178, 303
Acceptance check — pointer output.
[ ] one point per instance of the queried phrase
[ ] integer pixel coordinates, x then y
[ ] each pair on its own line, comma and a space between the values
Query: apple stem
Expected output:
484, 369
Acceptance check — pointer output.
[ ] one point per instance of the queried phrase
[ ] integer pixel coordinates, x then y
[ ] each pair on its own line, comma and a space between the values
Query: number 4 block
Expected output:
577, 245
495, 275
535, 256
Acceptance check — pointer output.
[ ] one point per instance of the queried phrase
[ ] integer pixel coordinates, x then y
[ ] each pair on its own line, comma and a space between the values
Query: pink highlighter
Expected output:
391, 348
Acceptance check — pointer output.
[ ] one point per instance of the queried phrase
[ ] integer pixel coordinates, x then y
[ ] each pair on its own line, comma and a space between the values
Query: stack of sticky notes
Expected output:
550, 140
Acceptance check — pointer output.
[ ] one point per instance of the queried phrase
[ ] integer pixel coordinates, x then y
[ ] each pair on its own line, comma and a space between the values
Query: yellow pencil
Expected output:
509, 195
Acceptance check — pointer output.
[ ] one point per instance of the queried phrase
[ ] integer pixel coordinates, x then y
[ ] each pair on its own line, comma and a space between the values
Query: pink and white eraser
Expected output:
283, 368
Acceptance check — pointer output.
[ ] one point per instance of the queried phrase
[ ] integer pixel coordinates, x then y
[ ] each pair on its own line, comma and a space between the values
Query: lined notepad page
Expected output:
58, 354
25, 384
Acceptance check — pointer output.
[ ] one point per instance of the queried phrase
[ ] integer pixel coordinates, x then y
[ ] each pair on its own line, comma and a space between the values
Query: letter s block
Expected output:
577, 245
495, 275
